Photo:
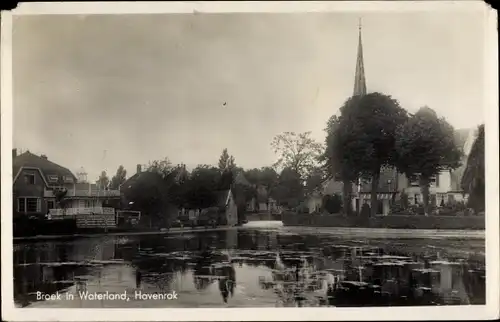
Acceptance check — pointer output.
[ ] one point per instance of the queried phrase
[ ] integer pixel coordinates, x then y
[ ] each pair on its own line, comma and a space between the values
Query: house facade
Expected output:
262, 202
37, 180
225, 207
446, 187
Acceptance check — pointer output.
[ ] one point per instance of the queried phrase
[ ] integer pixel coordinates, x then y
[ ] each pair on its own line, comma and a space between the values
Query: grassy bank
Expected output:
392, 221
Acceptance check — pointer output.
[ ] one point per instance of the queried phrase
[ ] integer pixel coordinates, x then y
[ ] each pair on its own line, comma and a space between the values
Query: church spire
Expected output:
359, 78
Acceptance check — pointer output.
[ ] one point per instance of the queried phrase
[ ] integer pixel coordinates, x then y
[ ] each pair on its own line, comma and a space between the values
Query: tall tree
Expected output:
119, 178
103, 181
268, 178
201, 186
290, 189
366, 141
148, 193
425, 147
314, 180
226, 161
473, 179
177, 185
337, 164
163, 167
296, 151
226, 180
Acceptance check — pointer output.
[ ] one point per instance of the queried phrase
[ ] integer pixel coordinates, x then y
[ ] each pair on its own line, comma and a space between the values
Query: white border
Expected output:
488, 311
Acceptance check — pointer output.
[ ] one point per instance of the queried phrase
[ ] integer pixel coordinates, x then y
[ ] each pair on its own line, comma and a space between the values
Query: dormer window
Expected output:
53, 178
68, 179
29, 178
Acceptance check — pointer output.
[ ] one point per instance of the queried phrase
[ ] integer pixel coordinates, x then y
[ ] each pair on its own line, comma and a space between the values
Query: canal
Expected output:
250, 267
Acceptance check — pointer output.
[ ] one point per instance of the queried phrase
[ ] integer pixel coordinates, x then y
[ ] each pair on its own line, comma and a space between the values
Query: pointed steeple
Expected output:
359, 77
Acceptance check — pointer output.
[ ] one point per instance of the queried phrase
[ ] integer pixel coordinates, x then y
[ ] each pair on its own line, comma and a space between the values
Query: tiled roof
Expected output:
47, 168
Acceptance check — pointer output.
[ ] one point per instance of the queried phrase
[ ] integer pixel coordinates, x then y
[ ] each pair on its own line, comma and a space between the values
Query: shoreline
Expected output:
121, 233
337, 231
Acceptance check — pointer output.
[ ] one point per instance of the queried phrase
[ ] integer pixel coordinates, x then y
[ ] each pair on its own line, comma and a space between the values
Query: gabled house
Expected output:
445, 187
262, 202
225, 207
33, 176
36, 181
226, 202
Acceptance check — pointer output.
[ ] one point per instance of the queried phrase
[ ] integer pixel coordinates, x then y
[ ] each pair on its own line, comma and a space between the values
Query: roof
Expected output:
241, 179
140, 176
46, 167
461, 136
464, 138
222, 197
332, 187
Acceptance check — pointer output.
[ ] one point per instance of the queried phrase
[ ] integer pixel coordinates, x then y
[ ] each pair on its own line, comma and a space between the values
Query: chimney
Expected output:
14, 153
43, 156
138, 168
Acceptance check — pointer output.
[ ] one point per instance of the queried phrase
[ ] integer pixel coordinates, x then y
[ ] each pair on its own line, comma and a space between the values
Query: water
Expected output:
251, 268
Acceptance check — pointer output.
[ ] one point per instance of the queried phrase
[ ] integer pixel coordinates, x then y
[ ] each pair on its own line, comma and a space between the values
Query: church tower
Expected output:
359, 76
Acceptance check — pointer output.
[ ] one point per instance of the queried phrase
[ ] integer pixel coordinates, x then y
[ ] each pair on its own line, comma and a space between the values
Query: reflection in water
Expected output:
255, 268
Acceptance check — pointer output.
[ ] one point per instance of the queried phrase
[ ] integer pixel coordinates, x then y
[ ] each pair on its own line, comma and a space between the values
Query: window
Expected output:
417, 197
21, 204
68, 179
414, 181
32, 205
51, 204
53, 178
27, 205
29, 178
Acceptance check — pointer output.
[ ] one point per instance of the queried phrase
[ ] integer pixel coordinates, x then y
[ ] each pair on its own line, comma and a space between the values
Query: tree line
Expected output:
164, 186
369, 133
372, 132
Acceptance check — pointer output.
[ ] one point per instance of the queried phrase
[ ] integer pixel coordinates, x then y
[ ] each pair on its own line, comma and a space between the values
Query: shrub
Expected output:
404, 200
332, 204
365, 210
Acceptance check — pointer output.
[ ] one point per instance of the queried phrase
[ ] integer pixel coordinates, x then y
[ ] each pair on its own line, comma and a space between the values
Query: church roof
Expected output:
359, 75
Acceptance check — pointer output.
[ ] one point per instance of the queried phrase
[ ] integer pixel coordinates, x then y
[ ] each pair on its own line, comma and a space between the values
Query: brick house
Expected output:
33, 175
35, 180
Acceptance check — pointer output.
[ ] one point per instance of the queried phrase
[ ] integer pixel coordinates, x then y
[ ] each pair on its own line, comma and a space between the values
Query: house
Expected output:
445, 187
225, 207
37, 180
33, 176
225, 201
262, 202
314, 201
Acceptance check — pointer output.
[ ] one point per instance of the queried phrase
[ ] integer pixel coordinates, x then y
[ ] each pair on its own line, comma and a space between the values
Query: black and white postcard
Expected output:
204, 161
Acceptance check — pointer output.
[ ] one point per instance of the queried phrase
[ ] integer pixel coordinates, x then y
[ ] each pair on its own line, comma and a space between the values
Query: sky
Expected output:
99, 91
